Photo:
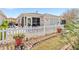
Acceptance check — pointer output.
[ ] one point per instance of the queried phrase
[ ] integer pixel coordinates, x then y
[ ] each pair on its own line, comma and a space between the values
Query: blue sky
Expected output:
14, 12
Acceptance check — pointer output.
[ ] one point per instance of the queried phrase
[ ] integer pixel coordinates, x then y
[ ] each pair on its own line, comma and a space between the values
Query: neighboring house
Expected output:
2, 17
63, 20
36, 19
12, 22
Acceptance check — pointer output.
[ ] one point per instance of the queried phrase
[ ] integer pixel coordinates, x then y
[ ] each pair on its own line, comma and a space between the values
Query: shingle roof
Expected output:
37, 14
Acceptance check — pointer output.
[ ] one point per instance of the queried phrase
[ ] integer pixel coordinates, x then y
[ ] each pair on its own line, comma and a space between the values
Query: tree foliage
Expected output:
71, 27
71, 14
4, 24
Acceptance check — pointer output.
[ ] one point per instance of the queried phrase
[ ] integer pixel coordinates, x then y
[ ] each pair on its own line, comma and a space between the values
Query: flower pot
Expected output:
59, 30
18, 39
18, 42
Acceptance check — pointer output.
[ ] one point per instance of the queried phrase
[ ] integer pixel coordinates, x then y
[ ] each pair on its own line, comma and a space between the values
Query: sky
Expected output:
14, 12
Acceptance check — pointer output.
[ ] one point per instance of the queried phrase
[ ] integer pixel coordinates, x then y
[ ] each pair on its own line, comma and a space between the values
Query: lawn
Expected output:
54, 43
0, 36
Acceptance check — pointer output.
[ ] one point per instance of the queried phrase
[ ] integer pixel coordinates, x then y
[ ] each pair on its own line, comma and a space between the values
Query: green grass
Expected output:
1, 35
51, 44
54, 43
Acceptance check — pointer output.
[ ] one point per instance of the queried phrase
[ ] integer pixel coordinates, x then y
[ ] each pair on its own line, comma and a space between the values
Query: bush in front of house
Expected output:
4, 25
18, 39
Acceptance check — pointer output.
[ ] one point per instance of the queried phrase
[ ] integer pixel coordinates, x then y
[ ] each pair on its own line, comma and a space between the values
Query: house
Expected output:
37, 19
11, 20
34, 25
2, 17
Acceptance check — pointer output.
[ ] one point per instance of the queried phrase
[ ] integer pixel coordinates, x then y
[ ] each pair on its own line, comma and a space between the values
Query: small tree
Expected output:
69, 32
4, 24
71, 28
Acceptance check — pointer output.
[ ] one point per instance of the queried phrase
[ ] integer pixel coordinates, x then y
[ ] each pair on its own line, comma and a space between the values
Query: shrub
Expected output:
20, 36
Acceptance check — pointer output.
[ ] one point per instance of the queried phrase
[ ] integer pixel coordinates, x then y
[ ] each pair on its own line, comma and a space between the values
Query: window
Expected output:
35, 21
29, 21
63, 21
25, 20
22, 24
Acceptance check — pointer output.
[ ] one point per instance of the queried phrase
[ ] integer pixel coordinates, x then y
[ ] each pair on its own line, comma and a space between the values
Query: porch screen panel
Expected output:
35, 21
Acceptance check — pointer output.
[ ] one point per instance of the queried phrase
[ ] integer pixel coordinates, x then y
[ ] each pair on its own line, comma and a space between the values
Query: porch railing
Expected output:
6, 35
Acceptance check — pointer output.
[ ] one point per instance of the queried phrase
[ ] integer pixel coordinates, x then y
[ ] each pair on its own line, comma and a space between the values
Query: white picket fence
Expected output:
28, 31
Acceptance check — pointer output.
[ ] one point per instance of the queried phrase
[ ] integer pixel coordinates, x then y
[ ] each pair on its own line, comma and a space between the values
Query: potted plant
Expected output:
19, 39
59, 30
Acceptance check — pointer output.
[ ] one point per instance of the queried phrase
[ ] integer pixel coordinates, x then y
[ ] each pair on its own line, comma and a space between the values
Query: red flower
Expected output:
18, 42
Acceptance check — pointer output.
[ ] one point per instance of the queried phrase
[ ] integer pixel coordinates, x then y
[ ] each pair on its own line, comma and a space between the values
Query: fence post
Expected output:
6, 36
2, 36
44, 30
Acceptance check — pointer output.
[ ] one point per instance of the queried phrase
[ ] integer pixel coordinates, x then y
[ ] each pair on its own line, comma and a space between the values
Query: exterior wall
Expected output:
19, 19
11, 20
45, 19
2, 17
51, 20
